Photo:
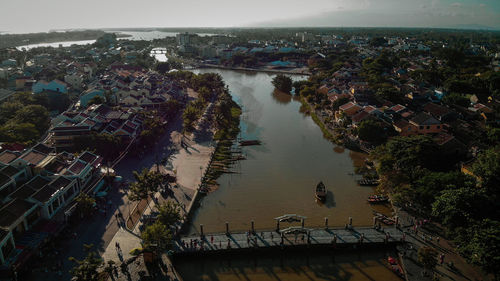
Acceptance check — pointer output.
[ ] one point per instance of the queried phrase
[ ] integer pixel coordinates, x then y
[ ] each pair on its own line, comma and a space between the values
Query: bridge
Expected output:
289, 237
159, 51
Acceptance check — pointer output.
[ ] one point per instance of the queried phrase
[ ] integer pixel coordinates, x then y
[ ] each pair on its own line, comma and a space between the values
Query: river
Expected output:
279, 177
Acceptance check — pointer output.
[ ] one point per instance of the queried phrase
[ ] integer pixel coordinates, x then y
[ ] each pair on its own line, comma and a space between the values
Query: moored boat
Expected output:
395, 267
320, 191
376, 199
249, 142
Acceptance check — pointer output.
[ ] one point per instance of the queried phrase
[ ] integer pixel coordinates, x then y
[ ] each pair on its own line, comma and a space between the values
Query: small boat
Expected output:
377, 199
249, 142
395, 267
320, 192
384, 219
368, 182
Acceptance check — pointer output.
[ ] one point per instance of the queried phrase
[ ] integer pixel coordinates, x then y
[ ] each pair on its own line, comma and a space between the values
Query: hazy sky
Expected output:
42, 15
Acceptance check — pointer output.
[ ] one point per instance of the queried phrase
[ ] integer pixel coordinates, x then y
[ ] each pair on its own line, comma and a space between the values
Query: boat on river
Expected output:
249, 142
378, 199
384, 219
368, 182
320, 192
395, 267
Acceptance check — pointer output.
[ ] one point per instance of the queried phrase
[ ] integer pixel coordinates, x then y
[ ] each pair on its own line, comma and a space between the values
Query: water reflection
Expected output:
281, 97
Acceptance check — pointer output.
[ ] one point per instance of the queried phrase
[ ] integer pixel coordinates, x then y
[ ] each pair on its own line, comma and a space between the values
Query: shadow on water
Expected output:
295, 265
330, 200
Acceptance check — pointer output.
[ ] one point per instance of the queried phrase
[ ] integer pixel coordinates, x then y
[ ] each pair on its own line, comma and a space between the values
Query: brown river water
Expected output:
277, 178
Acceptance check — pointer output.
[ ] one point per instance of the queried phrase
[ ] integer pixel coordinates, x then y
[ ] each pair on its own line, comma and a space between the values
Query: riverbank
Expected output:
327, 133
297, 71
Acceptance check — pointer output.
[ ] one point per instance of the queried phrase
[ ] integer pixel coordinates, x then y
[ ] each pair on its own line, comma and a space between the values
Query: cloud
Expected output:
456, 5
482, 5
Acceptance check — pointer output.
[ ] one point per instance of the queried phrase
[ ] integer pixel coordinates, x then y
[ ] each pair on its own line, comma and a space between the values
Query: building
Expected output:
54, 86
35, 187
426, 124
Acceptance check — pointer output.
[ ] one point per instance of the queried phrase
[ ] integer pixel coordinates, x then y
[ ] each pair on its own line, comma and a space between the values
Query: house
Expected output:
404, 128
75, 80
350, 108
442, 113
426, 124
89, 95
54, 85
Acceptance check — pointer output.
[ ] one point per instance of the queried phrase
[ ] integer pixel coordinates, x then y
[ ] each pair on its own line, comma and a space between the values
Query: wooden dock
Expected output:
292, 237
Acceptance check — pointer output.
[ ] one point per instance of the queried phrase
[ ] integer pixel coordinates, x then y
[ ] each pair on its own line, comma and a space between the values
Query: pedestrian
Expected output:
437, 239
272, 236
248, 240
117, 245
262, 234
441, 259
212, 239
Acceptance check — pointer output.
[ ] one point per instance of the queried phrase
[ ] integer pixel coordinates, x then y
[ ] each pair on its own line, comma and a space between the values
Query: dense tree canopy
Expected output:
282, 83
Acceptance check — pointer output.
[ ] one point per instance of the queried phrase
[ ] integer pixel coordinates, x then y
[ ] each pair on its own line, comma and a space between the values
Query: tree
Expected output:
169, 213
426, 188
459, 207
157, 234
487, 168
482, 246
147, 183
96, 100
339, 102
282, 83
86, 269
427, 256
36, 115
85, 204
456, 99
371, 131
390, 94
163, 67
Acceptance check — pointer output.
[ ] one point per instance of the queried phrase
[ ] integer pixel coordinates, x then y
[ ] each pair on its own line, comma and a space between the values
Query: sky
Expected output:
43, 15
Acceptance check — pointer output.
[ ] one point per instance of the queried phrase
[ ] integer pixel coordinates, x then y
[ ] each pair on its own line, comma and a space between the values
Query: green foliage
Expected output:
458, 207
372, 131
482, 246
456, 99
157, 234
21, 120
103, 144
86, 269
339, 102
282, 83
146, 184
427, 256
487, 168
85, 204
96, 100
407, 155
426, 188
391, 94
169, 213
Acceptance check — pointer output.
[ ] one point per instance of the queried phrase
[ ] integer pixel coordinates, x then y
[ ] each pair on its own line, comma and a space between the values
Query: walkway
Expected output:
344, 237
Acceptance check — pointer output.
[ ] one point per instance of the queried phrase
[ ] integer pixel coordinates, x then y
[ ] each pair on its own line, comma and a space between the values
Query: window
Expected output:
421, 127
439, 127
428, 127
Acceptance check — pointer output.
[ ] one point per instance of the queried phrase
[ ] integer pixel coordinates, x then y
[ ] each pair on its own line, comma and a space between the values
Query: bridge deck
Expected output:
261, 239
